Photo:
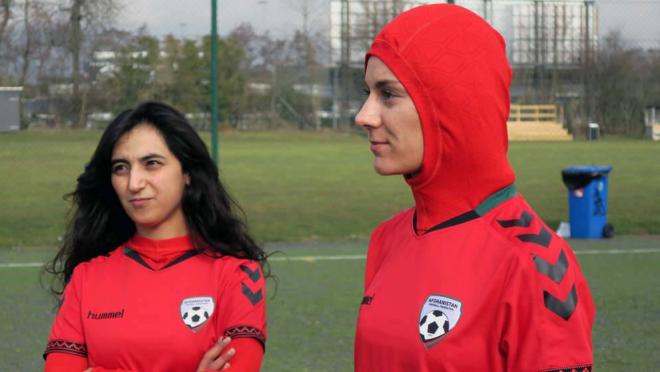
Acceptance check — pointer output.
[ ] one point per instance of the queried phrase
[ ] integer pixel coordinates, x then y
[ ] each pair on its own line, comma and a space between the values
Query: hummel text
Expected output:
108, 315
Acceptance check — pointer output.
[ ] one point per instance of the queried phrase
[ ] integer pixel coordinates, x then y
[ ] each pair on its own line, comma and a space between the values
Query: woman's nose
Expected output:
368, 116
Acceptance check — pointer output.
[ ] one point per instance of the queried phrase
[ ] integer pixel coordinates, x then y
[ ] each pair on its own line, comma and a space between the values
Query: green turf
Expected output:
312, 317
298, 186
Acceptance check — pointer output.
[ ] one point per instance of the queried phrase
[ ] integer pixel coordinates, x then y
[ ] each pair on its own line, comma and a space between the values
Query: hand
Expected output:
213, 361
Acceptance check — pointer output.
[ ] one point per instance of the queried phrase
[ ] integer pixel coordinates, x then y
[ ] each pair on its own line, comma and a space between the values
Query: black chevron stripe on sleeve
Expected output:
524, 221
254, 275
564, 308
253, 297
543, 238
555, 272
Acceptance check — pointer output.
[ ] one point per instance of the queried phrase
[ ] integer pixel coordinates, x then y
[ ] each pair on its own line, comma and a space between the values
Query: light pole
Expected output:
214, 81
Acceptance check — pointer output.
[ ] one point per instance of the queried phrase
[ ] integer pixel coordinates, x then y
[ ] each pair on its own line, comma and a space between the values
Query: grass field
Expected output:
312, 317
311, 194
301, 186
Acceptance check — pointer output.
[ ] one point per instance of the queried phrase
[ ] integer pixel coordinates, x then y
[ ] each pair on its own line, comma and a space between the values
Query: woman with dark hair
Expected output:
470, 278
159, 273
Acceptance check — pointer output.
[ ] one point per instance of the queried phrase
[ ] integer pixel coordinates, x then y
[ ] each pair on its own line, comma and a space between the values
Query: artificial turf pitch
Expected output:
297, 186
312, 313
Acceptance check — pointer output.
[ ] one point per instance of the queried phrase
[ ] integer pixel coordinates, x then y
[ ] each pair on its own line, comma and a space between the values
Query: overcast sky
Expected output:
637, 19
193, 17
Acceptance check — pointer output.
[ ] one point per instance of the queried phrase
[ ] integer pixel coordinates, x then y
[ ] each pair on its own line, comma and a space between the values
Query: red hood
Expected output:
454, 66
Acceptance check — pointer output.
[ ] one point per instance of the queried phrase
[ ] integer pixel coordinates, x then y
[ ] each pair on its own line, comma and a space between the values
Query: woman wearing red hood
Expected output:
470, 279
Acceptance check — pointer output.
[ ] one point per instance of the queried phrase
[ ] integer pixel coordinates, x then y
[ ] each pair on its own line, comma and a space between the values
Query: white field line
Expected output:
362, 257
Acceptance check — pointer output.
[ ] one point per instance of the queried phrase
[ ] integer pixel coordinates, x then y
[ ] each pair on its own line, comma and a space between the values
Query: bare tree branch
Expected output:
5, 5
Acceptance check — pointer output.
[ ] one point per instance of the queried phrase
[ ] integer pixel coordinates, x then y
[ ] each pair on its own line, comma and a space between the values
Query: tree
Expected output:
131, 79
85, 18
618, 85
5, 6
232, 81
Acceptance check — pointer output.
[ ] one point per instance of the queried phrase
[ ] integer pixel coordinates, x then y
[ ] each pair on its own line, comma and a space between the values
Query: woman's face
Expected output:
391, 120
149, 182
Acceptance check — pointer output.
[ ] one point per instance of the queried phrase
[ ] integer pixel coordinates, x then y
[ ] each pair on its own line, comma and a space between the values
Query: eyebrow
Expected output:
142, 159
383, 83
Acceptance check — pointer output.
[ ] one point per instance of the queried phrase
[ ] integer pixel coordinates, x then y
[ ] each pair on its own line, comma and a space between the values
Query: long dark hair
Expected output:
98, 223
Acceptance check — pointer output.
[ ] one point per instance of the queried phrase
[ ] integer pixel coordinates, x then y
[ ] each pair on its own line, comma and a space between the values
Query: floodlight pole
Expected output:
214, 81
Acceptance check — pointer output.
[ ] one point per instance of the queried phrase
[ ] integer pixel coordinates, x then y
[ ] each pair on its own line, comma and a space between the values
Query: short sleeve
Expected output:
374, 255
548, 321
66, 334
243, 306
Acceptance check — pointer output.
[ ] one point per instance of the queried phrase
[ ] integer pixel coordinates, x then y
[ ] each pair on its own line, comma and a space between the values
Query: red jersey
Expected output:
157, 306
470, 279
498, 292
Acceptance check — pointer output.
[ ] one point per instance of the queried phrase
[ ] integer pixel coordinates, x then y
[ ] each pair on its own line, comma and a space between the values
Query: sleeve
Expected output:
66, 335
373, 256
60, 362
243, 306
548, 314
248, 357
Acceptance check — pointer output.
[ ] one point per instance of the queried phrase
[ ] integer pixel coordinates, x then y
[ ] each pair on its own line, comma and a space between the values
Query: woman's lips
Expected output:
377, 146
139, 202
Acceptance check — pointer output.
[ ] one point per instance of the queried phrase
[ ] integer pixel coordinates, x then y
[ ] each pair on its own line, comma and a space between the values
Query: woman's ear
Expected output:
186, 177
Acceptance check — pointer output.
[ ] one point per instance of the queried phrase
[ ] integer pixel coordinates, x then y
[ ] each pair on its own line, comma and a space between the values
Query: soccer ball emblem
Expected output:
433, 325
195, 316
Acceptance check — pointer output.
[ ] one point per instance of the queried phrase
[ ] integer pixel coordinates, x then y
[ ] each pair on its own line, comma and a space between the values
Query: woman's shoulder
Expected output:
100, 260
404, 216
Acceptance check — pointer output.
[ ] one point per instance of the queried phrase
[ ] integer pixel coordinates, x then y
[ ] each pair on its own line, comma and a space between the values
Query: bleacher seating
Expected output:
536, 123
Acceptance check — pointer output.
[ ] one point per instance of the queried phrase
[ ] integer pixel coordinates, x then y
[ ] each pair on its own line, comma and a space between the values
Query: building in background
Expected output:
557, 33
10, 105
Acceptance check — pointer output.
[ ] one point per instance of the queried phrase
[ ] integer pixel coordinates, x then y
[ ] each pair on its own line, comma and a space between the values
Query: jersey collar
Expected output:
487, 205
157, 254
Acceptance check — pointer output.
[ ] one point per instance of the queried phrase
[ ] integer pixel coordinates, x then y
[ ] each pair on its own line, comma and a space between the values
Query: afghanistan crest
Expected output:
195, 311
439, 315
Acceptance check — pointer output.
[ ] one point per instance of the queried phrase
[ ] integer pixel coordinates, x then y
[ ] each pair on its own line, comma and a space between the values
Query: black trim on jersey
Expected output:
66, 347
465, 217
181, 258
555, 272
525, 220
563, 309
491, 202
582, 368
244, 331
543, 238
130, 253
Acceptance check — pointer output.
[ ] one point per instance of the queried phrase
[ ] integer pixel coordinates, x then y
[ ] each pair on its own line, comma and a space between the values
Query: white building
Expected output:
552, 33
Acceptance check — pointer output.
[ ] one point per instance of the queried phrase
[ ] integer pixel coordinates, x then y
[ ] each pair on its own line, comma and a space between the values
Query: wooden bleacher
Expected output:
536, 123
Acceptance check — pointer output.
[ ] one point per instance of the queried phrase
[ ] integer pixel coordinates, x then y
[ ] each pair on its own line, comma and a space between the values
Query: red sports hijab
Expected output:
453, 65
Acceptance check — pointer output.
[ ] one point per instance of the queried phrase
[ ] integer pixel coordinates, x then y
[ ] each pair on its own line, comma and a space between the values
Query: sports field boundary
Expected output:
349, 257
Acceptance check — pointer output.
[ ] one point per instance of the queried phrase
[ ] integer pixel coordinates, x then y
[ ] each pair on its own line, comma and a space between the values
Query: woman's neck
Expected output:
162, 232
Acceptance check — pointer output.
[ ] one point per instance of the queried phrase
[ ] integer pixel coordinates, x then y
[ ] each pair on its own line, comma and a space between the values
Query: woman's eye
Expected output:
366, 92
153, 164
119, 169
387, 94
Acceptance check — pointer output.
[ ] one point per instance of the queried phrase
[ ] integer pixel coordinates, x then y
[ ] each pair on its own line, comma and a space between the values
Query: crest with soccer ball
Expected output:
195, 311
438, 317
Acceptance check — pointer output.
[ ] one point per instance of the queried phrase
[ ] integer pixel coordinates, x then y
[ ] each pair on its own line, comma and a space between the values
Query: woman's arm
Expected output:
213, 361
60, 362
248, 357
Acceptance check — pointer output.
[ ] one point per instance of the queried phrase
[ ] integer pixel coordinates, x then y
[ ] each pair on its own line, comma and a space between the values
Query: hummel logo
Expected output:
109, 315
254, 297
253, 274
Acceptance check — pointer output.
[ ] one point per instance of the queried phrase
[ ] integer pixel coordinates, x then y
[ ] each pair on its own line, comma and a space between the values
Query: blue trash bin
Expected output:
587, 200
